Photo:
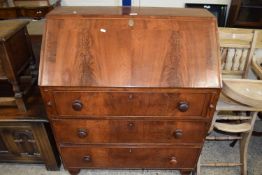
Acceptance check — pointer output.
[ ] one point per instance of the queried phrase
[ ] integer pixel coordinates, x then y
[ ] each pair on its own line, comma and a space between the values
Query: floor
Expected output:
211, 151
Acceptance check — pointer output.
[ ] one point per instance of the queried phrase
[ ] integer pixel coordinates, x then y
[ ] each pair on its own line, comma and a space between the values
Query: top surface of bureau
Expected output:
130, 47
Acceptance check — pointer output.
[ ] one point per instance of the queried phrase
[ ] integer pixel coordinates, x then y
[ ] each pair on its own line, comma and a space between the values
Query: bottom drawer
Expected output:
129, 157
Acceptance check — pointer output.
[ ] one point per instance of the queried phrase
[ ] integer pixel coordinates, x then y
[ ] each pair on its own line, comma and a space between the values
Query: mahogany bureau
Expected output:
130, 87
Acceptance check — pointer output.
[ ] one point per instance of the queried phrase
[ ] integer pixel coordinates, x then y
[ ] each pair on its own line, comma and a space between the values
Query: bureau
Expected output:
130, 87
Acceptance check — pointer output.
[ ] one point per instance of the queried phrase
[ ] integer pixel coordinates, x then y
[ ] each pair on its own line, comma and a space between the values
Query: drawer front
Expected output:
145, 157
128, 131
130, 104
8, 13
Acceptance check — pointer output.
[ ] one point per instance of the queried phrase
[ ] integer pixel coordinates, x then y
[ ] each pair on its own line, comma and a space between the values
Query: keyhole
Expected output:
131, 23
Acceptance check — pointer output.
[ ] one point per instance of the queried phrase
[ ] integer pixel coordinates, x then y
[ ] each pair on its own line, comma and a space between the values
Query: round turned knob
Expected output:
178, 133
183, 106
173, 160
87, 158
82, 133
77, 105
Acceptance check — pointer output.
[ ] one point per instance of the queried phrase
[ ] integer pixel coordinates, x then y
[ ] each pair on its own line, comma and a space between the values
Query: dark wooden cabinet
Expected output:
245, 13
19, 142
25, 137
130, 87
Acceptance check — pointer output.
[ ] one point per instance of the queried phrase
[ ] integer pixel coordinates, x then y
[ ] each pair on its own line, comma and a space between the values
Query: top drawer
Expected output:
90, 103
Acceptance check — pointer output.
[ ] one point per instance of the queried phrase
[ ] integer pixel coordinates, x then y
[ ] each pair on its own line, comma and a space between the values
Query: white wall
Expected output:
92, 2
144, 3
148, 3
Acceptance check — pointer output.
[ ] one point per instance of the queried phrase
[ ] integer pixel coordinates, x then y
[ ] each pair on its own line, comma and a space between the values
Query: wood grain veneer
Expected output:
130, 87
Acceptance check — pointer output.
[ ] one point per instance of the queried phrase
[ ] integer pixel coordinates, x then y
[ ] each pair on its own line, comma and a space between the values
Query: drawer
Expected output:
130, 104
128, 131
8, 13
131, 157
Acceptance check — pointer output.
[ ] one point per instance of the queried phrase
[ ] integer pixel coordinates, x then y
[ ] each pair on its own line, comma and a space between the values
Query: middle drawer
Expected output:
128, 131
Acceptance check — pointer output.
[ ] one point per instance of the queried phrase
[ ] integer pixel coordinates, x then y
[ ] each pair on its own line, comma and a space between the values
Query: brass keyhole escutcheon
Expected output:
131, 23
131, 125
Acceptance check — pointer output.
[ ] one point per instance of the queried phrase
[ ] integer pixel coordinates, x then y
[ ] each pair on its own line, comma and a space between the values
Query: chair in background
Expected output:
238, 104
237, 49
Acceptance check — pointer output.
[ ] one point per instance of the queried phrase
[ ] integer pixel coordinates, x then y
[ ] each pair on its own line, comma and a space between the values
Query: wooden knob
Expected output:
173, 160
77, 105
178, 133
183, 106
82, 133
87, 158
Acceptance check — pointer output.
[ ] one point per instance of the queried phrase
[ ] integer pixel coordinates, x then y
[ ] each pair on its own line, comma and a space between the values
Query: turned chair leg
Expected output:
244, 142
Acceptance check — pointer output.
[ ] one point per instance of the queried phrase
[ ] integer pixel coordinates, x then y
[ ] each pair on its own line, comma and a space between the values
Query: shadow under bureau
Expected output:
130, 87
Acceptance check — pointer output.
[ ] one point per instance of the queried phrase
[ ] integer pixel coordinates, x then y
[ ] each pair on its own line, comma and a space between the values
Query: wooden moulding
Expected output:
248, 92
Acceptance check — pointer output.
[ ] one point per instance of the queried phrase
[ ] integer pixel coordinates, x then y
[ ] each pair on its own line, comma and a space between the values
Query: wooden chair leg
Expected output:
20, 102
213, 122
244, 142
